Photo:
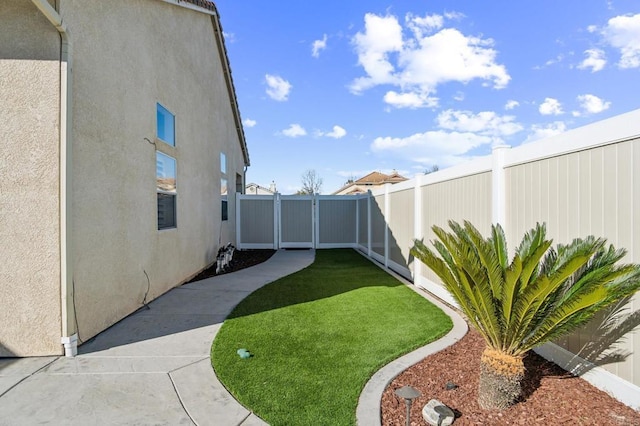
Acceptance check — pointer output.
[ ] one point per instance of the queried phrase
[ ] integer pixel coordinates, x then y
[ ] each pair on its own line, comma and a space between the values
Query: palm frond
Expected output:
489, 258
542, 294
499, 243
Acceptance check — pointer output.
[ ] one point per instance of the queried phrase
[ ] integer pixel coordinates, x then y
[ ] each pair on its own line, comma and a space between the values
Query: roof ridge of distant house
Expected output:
379, 177
373, 179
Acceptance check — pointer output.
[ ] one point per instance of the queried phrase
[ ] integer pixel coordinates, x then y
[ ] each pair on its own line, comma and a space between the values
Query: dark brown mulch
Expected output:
241, 259
552, 396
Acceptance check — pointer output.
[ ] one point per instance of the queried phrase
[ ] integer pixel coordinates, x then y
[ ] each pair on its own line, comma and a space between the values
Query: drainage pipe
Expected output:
68, 327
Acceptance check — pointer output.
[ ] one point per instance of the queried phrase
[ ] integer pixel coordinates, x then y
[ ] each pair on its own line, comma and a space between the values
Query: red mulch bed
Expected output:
551, 395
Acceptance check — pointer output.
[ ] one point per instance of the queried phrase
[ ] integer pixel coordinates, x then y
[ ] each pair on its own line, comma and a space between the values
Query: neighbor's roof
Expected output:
373, 178
377, 178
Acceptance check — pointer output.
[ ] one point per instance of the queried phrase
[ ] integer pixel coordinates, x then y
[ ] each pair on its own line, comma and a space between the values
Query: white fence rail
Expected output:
583, 182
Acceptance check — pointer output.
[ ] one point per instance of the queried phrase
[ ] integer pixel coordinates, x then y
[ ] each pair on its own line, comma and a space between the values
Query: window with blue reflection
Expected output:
166, 190
165, 125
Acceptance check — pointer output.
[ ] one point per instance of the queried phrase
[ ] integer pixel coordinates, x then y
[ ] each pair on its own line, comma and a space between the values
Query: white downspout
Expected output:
68, 327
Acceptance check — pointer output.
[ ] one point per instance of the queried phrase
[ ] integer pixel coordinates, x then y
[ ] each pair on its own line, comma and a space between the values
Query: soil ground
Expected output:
241, 259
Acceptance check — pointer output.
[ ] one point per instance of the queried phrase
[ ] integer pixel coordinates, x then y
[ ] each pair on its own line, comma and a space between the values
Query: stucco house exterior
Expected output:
122, 150
370, 182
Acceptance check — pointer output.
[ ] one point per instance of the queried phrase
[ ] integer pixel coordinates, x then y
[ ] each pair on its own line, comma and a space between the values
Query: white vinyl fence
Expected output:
583, 182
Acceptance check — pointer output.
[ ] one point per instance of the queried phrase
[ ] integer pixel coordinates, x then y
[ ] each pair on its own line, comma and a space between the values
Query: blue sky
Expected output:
346, 88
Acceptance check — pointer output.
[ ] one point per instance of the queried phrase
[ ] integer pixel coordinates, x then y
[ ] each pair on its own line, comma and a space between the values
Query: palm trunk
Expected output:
500, 380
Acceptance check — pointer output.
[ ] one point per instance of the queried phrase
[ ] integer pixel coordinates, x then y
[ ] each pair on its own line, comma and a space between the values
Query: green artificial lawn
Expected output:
317, 336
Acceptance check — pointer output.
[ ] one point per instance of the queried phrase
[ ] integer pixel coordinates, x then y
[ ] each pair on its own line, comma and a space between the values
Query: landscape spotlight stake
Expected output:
408, 394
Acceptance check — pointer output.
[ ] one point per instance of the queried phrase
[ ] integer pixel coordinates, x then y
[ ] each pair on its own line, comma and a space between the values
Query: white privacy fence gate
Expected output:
296, 221
329, 221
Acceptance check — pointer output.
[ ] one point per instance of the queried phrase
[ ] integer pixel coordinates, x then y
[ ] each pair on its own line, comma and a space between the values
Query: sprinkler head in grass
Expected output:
243, 353
408, 394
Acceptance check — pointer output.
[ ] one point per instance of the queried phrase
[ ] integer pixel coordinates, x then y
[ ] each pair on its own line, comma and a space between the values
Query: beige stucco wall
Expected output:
29, 182
128, 55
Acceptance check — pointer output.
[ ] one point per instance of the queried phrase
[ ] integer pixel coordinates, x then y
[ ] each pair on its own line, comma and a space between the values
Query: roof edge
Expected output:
217, 29
203, 6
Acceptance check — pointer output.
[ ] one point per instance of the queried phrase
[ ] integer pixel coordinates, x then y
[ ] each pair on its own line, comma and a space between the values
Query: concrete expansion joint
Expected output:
245, 419
175, 390
29, 375
189, 365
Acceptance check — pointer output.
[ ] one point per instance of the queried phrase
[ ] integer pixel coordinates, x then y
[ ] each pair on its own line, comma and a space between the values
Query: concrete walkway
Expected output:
152, 368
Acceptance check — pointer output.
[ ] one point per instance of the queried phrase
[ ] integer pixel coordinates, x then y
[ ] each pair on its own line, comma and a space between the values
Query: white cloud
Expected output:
550, 62
249, 122
383, 35
278, 88
432, 147
337, 132
458, 133
595, 60
294, 131
623, 33
418, 63
454, 16
545, 131
511, 104
229, 37
318, 45
410, 100
485, 123
550, 106
591, 104
459, 96
425, 25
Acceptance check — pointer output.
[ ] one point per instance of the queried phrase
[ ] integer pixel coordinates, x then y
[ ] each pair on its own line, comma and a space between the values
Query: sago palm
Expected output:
541, 294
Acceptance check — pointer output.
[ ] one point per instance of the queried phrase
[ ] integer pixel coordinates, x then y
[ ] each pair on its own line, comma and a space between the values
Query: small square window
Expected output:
165, 126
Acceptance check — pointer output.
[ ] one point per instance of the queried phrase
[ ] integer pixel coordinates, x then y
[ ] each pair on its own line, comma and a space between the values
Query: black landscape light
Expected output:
408, 394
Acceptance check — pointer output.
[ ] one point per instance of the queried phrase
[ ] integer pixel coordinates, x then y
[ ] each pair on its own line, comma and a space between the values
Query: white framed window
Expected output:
239, 184
224, 187
166, 190
165, 125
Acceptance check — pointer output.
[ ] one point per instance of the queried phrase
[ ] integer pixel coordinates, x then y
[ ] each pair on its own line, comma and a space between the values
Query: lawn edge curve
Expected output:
368, 411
